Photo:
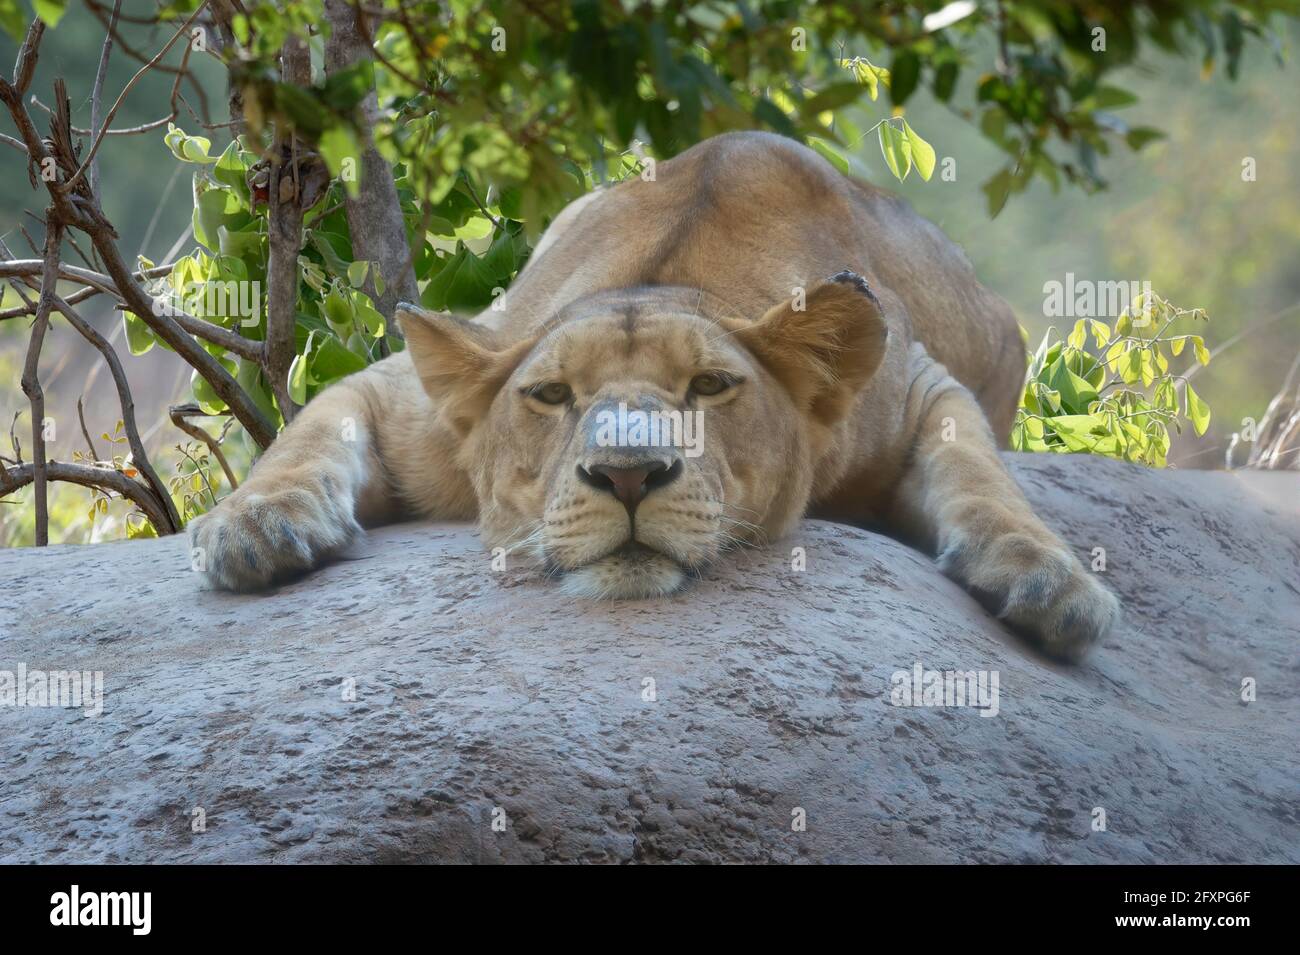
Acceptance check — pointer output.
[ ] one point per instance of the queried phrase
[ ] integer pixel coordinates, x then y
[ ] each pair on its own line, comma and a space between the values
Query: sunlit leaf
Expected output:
922, 152
896, 150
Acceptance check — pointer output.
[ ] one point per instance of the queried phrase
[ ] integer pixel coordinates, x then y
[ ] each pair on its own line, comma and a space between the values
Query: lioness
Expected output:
844, 361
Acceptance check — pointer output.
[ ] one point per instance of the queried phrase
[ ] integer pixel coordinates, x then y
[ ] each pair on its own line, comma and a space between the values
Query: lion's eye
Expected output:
709, 383
552, 393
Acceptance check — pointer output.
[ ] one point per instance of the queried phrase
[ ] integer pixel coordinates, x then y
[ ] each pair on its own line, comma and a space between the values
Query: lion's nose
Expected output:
630, 485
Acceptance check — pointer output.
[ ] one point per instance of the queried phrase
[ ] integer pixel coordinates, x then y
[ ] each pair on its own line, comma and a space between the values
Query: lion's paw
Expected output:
1040, 590
253, 540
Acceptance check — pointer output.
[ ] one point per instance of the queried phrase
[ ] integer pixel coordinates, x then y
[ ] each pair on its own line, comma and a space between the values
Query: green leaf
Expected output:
209, 211
1112, 97
357, 273
298, 379
338, 145
51, 11
945, 81
870, 76
827, 152
368, 314
1197, 410
896, 150
1079, 336
1140, 136
1084, 433
1131, 366
903, 76
338, 312
332, 361
139, 337
922, 152
208, 399
831, 98
13, 20
997, 191
1076, 394
187, 148
230, 171
1202, 353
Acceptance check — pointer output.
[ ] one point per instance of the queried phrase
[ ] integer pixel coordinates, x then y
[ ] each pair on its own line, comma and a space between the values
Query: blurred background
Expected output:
1177, 214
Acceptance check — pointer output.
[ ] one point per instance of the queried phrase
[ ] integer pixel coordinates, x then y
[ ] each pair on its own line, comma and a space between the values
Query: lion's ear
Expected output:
461, 364
826, 350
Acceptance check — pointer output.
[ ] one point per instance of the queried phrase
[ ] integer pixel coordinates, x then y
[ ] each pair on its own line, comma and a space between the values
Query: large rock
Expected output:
481, 692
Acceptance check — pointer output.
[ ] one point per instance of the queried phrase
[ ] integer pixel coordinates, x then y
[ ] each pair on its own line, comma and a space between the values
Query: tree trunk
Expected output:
374, 214
285, 233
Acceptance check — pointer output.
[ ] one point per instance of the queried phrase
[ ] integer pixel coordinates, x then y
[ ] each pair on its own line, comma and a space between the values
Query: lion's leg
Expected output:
957, 494
305, 498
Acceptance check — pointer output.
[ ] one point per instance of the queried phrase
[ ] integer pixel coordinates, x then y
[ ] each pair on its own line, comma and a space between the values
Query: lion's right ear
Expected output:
823, 349
461, 364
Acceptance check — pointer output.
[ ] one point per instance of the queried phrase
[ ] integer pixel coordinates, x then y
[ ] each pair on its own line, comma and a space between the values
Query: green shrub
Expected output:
1109, 389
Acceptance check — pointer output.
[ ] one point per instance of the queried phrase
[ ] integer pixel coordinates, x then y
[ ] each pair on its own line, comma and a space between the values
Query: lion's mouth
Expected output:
631, 571
635, 550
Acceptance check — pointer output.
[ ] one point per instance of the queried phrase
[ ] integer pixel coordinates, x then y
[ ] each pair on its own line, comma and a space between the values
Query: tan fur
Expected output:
874, 402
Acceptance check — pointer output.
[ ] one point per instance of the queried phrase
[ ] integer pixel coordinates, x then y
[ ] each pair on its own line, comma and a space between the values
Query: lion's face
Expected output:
629, 449
633, 441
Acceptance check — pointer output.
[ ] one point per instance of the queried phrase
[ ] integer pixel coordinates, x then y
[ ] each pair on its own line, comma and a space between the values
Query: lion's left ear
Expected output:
461, 364
825, 352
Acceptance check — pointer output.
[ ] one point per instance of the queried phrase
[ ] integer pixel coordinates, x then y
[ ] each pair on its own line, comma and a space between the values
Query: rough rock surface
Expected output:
480, 692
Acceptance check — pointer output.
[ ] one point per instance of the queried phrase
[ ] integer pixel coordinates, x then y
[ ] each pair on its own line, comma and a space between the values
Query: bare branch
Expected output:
97, 91
85, 432
32, 381
22, 269
108, 120
181, 72
139, 457
98, 282
110, 479
25, 65
232, 342
84, 214
123, 131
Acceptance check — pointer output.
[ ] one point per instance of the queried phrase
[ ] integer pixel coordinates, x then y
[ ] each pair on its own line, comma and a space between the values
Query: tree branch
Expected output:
14, 478
374, 214
97, 91
284, 228
139, 457
108, 120
83, 213
32, 381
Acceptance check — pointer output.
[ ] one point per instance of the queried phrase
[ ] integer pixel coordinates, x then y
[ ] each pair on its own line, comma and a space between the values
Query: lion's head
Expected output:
637, 435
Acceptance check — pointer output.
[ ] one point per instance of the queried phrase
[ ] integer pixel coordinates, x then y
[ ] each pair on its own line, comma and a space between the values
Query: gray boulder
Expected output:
410, 704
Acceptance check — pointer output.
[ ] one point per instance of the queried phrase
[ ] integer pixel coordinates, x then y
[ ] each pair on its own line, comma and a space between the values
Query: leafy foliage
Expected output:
494, 114
1117, 397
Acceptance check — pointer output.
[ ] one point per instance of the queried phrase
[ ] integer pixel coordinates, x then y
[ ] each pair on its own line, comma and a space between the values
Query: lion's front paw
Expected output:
1042, 591
252, 540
